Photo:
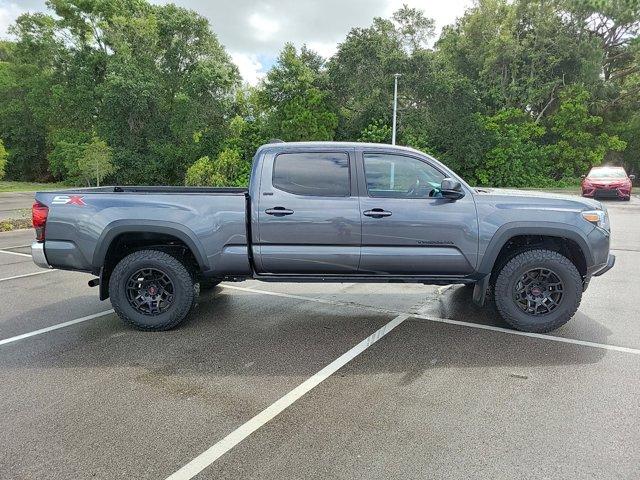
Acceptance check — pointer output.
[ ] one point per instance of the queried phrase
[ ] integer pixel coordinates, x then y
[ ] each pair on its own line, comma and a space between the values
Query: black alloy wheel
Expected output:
539, 291
150, 291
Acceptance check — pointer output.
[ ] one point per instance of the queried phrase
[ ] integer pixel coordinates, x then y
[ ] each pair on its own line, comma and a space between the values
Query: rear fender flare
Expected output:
177, 230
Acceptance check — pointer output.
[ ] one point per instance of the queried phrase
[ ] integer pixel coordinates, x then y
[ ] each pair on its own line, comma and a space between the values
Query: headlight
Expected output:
600, 218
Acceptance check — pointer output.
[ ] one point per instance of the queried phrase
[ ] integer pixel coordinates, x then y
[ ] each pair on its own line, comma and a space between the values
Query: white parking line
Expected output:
54, 327
16, 253
16, 246
209, 456
28, 275
480, 326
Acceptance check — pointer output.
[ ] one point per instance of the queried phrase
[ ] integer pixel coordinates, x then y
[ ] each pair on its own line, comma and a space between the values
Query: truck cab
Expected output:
366, 210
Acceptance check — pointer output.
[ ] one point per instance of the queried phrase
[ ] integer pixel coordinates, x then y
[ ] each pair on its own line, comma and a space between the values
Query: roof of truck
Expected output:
359, 145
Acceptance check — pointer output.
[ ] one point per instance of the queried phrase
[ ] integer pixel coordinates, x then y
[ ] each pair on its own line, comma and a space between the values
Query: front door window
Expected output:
400, 176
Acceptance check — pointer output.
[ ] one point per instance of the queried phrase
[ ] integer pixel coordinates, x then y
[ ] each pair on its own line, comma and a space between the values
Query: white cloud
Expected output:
9, 11
263, 27
250, 67
325, 49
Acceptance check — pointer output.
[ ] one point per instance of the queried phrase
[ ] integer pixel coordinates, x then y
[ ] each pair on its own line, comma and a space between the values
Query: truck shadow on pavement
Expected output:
234, 334
457, 304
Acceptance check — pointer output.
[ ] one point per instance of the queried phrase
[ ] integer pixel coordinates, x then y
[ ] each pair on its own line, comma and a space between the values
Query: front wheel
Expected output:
151, 290
538, 291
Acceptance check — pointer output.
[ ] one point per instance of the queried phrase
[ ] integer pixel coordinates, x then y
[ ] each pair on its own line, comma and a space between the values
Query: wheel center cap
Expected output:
537, 291
152, 290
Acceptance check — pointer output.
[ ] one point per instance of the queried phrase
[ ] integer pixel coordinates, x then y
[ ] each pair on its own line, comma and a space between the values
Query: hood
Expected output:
545, 197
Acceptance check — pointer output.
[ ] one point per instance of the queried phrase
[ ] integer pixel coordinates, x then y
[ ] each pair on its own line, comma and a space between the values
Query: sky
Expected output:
254, 31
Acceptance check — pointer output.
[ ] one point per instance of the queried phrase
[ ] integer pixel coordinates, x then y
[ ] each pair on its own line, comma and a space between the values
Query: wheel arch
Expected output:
548, 230
152, 234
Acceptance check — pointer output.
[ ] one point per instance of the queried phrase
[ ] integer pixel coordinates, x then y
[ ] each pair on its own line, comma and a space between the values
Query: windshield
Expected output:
602, 173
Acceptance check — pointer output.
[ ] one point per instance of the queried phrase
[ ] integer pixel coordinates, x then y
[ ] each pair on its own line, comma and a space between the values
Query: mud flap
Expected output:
104, 285
480, 290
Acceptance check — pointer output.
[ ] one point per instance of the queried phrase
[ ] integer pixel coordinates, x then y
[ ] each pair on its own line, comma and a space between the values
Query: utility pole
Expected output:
395, 107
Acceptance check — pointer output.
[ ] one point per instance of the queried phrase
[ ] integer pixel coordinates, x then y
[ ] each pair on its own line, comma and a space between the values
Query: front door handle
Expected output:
278, 211
376, 213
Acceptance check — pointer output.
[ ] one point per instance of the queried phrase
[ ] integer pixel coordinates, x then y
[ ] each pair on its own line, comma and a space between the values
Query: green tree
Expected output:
519, 54
578, 139
615, 24
295, 105
376, 132
26, 106
202, 173
143, 77
437, 106
63, 160
439, 114
413, 27
95, 162
628, 130
360, 76
515, 158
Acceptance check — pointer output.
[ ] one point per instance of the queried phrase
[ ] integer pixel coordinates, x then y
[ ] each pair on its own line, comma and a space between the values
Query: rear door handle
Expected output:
376, 213
278, 211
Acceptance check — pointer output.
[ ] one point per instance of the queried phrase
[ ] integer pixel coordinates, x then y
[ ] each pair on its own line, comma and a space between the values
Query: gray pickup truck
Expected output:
328, 212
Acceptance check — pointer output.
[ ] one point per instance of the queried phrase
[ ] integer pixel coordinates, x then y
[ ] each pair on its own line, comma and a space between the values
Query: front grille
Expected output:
606, 192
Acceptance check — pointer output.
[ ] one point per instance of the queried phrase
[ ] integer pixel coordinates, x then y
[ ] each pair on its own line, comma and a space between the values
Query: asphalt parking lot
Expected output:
274, 381
15, 204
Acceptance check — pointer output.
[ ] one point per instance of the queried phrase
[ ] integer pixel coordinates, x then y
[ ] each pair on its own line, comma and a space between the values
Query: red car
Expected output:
607, 182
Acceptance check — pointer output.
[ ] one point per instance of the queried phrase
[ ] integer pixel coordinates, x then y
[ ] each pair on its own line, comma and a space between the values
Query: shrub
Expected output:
229, 169
3, 159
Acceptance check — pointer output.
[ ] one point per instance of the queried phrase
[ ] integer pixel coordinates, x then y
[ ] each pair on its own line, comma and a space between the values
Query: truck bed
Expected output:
83, 222
160, 190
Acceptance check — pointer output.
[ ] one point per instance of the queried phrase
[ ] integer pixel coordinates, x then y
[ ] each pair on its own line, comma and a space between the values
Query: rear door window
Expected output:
321, 174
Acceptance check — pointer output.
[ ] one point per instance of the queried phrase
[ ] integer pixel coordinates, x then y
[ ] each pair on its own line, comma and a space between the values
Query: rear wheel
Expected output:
151, 290
538, 291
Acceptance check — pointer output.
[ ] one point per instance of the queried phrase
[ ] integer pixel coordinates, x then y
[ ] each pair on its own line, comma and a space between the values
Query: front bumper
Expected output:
611, 261
38, 256
606, 192
600, 259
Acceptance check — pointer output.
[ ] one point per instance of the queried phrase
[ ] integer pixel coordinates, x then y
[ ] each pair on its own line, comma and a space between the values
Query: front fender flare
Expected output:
513, 229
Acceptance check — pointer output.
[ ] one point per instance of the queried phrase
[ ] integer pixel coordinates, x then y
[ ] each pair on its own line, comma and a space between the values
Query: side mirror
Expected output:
632, 177
583, 176
451, 189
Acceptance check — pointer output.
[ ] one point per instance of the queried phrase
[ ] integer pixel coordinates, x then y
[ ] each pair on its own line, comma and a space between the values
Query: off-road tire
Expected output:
184, 297
513, 270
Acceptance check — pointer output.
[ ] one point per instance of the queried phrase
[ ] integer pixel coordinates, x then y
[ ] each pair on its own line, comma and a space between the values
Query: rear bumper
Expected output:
38, 256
